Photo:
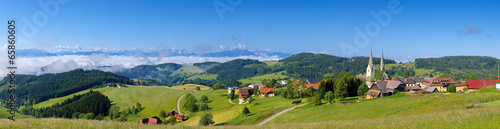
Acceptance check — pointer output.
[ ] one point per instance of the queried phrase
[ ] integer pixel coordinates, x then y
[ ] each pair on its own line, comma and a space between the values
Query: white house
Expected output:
255, 85
498, 83
229, 89
283, 82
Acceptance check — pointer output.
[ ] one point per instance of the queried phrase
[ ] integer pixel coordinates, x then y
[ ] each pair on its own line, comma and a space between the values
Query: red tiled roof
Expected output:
315, 86
461, 85
179, 116
150, 120
266, 90
498, 80
244, 91
478, 84
439, 81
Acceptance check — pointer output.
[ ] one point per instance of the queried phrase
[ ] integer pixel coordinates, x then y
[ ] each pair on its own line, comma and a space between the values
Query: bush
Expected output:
206, 120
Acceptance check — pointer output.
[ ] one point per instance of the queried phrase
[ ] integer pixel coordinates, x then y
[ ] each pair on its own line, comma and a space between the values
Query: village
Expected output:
376, 88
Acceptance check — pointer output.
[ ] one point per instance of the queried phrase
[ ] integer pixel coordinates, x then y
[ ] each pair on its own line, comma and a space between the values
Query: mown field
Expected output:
154, 99
225, 113
401, 105
191, 87
258, 79
484, 117
440, 110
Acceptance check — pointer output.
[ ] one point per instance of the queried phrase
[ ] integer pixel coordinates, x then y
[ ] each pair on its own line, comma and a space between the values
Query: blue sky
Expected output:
421, 28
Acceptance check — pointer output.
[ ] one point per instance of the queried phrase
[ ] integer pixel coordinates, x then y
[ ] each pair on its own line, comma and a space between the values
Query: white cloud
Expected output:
57, 64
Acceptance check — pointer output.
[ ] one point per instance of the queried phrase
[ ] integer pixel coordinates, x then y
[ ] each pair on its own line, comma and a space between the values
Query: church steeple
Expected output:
382, 65
370, 71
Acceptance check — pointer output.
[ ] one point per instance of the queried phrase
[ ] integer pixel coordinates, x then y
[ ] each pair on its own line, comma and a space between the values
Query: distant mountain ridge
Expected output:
153, 53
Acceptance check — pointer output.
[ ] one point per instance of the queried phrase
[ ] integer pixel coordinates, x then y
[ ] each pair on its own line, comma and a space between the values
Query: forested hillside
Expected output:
92, 104
157, 72
229, 72
309, 65
460, 66
31, 89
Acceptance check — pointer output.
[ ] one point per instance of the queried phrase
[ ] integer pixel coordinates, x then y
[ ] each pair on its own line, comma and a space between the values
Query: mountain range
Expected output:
152, 53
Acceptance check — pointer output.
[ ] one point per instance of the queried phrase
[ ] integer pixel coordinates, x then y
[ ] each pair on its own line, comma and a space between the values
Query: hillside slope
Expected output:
33, 88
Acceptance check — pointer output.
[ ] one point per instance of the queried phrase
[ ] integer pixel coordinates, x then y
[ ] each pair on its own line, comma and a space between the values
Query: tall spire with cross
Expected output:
370, 71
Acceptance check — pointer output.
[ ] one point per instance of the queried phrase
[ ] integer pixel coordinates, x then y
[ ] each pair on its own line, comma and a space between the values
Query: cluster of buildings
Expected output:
155, 120
386, 87
263, 91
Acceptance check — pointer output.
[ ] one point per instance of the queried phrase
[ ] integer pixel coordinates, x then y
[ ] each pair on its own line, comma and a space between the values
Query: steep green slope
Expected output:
385, 107
40, 88
154, 99
309, 65
459, 67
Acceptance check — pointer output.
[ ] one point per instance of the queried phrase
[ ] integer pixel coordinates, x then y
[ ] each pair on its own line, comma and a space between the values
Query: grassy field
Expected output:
485, 117
53, 101
191, 87
271, 63
204, 76
258, 79
154, 99
189, 69
230, 114
4, 114
395, 106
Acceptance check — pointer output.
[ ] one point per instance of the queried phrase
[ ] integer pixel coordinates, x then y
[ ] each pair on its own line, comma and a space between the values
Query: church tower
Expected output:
382, 66
370, 71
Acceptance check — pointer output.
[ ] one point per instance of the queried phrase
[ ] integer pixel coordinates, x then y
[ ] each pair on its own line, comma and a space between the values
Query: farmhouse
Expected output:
498, 83
474, 85
243, 92
151, 120
430, 89
255, 85
440, 83
266, 91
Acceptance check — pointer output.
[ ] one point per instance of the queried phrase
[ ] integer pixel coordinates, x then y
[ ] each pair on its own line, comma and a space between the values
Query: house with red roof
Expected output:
498, 83
461, 87
474, 85
151, 120
440, 83
266, 91
244, 92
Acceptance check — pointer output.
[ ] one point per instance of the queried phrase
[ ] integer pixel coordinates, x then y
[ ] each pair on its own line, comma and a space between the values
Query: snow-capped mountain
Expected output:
152, 53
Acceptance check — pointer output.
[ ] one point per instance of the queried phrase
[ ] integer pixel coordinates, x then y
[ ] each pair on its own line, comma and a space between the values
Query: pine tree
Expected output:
246, 111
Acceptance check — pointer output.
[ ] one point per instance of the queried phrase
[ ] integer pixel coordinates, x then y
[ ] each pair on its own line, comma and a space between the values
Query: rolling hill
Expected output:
399, 111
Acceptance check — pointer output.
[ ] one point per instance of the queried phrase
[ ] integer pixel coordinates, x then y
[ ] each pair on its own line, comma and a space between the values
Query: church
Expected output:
370, 70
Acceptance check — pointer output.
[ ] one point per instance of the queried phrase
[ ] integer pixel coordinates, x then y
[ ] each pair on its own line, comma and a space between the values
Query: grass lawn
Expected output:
189, 69
270, 63
485, 118
394, 106
53, 101
191, 87
4, 114
258, 79
226, 113
154, 99
204, 76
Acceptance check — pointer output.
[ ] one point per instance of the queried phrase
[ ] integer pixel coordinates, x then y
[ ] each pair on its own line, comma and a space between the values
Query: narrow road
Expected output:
179, 104
276, 115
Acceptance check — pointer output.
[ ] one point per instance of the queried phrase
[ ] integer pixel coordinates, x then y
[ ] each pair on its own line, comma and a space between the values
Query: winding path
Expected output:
276, 115
179, 104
